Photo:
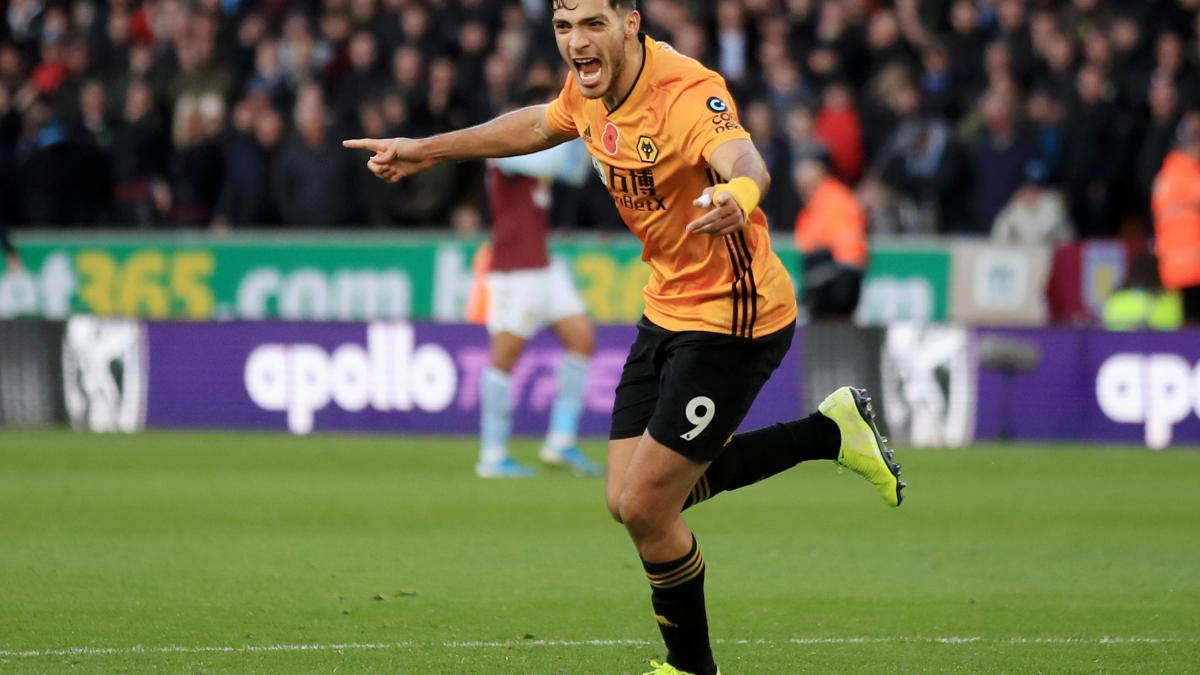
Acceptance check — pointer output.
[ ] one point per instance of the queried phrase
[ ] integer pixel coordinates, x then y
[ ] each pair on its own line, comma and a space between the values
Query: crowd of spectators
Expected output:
944, 116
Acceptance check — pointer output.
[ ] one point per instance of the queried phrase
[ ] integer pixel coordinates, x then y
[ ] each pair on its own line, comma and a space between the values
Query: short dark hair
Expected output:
619, 5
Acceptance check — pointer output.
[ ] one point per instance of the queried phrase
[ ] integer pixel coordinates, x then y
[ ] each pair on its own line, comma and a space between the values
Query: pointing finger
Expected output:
372, 144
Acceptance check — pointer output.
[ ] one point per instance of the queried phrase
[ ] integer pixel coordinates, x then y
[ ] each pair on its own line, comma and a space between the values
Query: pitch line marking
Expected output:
509, 644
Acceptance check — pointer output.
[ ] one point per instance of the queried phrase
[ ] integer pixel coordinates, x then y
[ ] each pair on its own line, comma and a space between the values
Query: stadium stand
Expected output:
167, 113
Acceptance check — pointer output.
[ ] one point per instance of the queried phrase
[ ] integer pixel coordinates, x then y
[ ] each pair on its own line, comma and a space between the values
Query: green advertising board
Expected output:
357, 277
336, 277
905, 283
206, 278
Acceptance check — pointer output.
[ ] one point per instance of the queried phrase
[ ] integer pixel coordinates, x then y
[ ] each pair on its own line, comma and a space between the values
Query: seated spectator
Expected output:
363, 79
1163, 103
885, 43
299, 54
1093, 145
997, 64
198, 166
1058, 53
802, 133
1011, 22
91, 120
893, 96
66, 178
938, 90
407, 71
311, 175
836, 46
998, 162
785, 85
733, 41
965, 45
831, 231
201, 70
1171, 63
444, 107
246, 198
76, 64
780, 203
1036, 215
1131, 55
838, 127
141, 152
918, 167
1045, 114
269, 76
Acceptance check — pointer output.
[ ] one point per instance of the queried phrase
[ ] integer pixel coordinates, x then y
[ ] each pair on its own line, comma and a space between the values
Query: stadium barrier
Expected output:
1092, 385
335, 276
936, 384
300, 377
31, 373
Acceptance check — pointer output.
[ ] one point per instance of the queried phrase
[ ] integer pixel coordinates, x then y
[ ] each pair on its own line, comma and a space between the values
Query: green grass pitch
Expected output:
245, 553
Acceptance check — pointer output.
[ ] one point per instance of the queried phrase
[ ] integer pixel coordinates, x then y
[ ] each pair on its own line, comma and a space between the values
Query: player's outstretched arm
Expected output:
731, 203
516, 133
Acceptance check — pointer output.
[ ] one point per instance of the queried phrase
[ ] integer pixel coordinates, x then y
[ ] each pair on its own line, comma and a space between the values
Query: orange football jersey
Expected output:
652, 153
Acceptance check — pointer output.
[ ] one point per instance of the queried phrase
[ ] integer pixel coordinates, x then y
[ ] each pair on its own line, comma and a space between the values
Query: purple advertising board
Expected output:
380, 377
1093, 385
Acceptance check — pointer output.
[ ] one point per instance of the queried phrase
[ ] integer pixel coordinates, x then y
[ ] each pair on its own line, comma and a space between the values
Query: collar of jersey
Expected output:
639, 82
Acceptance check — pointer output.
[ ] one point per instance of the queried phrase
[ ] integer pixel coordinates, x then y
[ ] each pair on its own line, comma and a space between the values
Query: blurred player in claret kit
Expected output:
664, 136
524, 292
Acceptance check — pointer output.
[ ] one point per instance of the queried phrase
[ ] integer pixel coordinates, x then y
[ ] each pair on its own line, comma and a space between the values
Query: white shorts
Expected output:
522, 302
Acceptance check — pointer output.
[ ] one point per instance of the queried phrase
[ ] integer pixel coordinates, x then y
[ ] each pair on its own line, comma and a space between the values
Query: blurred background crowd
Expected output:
1037, 120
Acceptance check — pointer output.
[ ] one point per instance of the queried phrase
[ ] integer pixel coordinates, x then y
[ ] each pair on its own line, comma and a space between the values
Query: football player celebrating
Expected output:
665, 138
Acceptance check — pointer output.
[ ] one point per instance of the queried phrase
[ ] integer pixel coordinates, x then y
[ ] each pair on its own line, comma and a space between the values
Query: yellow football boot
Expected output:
864, 451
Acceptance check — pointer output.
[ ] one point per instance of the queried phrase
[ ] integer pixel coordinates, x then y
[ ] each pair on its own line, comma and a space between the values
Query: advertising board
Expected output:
405, 377
1093, 385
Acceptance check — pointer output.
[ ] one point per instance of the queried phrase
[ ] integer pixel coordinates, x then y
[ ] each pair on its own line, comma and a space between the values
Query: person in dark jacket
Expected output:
141, 148
999, 161
1092, 147
246, 198
311, 177
198, 167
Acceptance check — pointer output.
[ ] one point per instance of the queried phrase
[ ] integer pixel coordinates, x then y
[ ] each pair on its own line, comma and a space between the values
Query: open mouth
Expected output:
588, 69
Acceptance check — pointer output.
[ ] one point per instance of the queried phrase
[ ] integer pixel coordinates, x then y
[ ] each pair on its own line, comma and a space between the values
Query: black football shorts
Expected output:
692, 389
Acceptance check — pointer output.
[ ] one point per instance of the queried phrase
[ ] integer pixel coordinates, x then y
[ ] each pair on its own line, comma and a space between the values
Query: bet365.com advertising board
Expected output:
292, 277
336, 276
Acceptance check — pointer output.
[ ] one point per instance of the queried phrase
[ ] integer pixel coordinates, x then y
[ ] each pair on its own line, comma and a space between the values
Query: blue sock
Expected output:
495, 410
571, 379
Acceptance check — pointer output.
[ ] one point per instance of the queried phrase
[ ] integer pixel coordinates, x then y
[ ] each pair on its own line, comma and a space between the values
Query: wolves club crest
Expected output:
647, 150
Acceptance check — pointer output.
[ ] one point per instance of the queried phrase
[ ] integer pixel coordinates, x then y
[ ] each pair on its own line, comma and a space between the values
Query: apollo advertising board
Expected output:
1093, 385
939, 385
385, 376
